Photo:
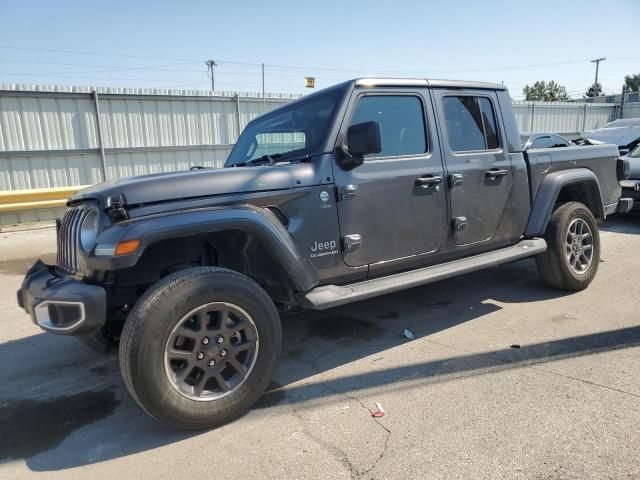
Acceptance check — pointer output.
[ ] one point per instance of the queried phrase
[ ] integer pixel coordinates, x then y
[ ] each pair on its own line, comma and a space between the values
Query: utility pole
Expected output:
624, 92
263, 98
597, 62
210, 64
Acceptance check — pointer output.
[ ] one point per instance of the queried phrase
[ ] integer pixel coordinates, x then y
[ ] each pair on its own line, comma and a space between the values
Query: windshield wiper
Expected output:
272, 159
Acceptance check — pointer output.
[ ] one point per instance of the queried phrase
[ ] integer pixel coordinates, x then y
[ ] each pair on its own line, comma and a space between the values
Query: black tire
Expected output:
154, 320
554, 265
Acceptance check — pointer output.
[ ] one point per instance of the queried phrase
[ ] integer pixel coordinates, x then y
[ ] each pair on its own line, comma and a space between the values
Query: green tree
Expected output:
545, 91
632, 82
595, 90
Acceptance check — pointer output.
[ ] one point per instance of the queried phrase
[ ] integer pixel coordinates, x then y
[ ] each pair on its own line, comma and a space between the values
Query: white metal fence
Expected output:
53, 136
563, 117
63, 138
631, 110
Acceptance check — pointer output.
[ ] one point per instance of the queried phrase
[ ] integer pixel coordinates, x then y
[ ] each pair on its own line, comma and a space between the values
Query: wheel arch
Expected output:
260, 236
579, 184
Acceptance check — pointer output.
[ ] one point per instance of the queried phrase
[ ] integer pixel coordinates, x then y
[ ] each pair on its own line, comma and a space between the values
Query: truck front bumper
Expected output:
61, 304
631, 189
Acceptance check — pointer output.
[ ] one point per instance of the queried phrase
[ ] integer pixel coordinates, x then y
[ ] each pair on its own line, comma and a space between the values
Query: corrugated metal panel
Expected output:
27, 216
127, 164
58, 124
562, 117
49, 170
66, 89
36, 123
631, 110
159, 122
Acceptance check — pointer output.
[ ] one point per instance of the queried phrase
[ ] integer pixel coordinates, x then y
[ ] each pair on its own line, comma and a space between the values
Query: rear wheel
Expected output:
573, 248
200, 347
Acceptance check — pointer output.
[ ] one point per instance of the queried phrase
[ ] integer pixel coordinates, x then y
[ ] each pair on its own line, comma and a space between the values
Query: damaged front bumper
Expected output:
61, 304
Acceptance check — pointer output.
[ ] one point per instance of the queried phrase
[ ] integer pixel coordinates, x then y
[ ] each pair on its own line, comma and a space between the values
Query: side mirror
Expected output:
624, 151
362, 139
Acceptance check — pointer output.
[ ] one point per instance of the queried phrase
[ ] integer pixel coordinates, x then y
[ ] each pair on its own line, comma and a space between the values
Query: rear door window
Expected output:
471, 123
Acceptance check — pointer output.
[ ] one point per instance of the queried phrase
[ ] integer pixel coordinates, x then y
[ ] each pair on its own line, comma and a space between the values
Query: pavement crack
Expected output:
338, 453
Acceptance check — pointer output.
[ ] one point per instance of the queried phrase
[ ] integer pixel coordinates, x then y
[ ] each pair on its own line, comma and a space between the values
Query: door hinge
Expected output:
351, 243
346, 192
455, 179
116, 206
459, 223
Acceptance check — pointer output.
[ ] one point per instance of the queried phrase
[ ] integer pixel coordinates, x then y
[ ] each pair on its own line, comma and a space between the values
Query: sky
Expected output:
164, 44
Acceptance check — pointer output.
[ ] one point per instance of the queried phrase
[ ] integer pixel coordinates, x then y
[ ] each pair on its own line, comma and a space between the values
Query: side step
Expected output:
327, 296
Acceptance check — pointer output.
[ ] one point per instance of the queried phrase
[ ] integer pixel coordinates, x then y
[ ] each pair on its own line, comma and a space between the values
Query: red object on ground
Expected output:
379, 412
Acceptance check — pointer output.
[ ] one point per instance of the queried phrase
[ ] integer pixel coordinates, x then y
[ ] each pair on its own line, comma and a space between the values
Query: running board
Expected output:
327, 296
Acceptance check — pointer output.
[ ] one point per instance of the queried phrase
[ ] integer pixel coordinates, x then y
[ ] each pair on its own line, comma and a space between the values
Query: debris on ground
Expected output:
408, 334
515, 345
378, 412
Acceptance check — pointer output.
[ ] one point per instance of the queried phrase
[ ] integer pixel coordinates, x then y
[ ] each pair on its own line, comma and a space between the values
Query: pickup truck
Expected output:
631, 185
361, 189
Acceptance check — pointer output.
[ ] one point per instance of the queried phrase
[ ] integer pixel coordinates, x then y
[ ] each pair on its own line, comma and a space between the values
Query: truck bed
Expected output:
600, 159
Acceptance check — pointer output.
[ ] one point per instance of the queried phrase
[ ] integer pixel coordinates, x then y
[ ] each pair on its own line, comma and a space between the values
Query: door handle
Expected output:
496, 173
426, 182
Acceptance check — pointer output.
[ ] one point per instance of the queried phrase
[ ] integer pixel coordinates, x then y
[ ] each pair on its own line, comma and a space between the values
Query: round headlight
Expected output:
89, 230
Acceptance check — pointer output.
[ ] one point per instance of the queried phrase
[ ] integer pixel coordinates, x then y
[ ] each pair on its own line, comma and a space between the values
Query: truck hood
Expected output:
620, 136
163, 187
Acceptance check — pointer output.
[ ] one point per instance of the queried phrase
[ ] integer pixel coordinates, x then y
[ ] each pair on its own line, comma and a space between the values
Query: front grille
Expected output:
68, 240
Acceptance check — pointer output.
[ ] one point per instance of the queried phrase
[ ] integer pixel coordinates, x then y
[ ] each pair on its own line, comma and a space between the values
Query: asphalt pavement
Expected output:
505, 378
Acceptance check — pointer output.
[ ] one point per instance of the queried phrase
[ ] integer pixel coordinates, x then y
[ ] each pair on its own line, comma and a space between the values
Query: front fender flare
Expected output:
257, 221
549, 191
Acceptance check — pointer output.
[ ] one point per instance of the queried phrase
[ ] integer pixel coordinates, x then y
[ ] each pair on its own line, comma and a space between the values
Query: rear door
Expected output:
479, 168
395, 202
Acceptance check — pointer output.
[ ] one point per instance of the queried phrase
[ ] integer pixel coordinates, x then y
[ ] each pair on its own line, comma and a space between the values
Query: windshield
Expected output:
635, 153
291, 132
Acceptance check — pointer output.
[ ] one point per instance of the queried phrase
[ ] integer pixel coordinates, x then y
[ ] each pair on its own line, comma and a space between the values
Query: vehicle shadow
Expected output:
63, 406
627, 223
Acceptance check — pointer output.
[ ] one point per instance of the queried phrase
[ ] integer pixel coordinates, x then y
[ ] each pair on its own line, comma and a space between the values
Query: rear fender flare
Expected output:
549, 192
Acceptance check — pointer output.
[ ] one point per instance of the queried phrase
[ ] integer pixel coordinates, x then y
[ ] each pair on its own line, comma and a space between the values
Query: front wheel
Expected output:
573, 248
200, 347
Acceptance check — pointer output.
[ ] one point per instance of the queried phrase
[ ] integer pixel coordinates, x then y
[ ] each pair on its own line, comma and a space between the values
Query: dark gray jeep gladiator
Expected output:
361, 189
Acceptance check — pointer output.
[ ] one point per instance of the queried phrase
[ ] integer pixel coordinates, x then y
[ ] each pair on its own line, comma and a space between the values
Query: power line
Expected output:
80, 52
275, 70
289, 67
114, 69
124, 55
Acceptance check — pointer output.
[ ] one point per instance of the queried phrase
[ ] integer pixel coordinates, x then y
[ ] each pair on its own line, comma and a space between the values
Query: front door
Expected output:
393, 206
478, 165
